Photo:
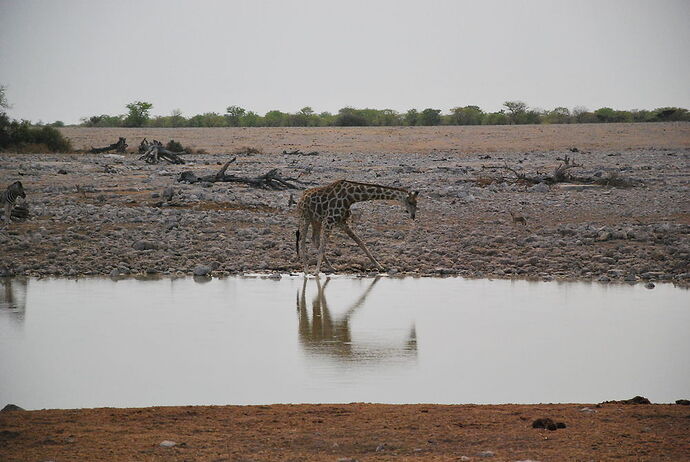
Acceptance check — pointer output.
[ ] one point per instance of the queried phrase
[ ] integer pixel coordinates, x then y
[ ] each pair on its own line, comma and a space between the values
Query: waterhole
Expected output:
129, 343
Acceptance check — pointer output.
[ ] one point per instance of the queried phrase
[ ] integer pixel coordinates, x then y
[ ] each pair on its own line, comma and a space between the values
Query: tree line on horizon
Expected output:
513, 113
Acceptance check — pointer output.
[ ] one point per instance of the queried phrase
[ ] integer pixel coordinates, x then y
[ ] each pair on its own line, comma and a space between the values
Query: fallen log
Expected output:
561, 174
269, 180
120, 146
297, 152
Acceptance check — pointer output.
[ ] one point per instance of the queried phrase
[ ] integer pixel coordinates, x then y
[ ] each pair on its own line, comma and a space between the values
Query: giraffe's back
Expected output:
327, 202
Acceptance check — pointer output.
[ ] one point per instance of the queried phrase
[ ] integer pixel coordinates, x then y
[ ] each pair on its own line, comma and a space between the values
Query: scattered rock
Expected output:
168, 444
635, 400
8, 435
144, 245
485, 454
62, 172
11, 407
202, 270
168, 193
588, 410
540, 187
547, 424
649, 285
603, 236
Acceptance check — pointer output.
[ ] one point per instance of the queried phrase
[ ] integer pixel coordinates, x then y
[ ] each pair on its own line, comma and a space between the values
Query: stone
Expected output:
114, 273
144, 245
168, 444
649, 285
202, 270
547, 423
11, 407
485, 454
683, 402
603, 236
540, 187
604, 279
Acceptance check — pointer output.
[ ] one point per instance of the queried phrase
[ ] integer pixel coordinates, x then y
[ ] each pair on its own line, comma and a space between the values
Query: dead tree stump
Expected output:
269, 180
155, 152
120, 146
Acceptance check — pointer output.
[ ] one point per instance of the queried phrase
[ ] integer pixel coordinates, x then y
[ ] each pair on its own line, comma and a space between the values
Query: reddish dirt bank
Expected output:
364, 432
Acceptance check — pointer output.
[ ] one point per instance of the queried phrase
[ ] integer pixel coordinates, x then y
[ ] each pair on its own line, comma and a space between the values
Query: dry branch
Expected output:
561, 174
120, 146
270, 180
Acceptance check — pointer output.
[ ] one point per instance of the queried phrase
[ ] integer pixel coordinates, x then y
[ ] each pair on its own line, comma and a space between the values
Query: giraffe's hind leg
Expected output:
349, 232
302, 244
316, 239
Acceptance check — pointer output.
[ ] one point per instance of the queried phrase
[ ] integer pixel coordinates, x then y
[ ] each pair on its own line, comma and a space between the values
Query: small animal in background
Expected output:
8, 198
518, 218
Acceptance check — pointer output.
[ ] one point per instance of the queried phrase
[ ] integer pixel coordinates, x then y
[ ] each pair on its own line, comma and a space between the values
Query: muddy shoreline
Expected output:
348, 432
106, 215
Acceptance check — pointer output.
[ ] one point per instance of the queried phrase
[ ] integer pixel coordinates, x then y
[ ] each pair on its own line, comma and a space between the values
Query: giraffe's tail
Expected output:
297, 241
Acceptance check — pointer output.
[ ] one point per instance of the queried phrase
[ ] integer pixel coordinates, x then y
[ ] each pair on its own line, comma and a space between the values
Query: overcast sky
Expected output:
67, 59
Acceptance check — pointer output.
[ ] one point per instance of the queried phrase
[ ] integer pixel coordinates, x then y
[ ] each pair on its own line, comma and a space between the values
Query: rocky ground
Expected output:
352, 432
107, 214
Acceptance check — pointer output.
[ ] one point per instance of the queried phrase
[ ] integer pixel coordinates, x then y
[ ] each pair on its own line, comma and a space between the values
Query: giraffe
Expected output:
326, 207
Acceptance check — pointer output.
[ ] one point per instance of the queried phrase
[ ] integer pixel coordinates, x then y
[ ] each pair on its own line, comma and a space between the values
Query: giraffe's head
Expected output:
410, 202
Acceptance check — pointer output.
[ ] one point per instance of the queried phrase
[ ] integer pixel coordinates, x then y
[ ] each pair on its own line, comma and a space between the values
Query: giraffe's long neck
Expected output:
358, 192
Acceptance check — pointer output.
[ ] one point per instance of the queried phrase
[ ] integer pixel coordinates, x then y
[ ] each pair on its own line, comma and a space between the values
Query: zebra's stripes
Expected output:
9, 198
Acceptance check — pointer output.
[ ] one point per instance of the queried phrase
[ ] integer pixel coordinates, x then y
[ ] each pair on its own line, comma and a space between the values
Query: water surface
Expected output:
97, 342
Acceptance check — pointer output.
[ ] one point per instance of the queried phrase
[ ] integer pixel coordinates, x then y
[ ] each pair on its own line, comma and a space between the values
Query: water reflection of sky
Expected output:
94, 342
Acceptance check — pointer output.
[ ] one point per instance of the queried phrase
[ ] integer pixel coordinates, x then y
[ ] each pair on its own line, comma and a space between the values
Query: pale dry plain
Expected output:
104, 216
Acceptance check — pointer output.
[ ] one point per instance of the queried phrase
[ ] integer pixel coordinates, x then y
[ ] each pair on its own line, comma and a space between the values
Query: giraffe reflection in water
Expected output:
13, 297
326, 334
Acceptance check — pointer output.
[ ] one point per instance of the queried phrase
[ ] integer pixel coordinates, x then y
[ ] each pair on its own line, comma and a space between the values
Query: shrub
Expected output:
429, 117
349, 117
175, 146
468, 115
495, 118
24, 137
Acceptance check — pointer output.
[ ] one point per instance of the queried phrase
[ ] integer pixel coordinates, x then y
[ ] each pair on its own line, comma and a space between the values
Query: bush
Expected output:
24, 137
349, 117
429, 117
175, 146
495, 118
468, 115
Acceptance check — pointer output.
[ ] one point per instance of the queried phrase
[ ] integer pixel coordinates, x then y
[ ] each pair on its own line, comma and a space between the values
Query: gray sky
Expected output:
67, 59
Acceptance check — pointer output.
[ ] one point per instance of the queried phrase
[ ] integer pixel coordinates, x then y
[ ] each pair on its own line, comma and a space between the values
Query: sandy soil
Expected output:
404, 140
364, 432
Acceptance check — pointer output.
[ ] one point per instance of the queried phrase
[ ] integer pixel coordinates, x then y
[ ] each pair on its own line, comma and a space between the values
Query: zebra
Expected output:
9, 198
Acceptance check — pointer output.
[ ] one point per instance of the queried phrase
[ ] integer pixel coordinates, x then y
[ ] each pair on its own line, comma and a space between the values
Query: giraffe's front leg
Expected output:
360, 243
